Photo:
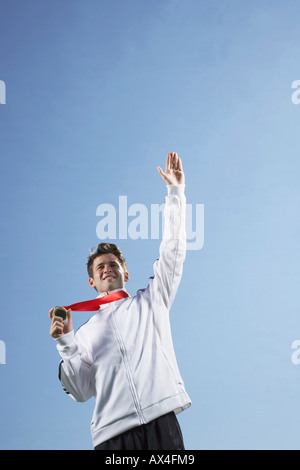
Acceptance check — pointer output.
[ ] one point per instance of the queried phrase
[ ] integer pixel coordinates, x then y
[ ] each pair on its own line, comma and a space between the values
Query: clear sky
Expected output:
97, 94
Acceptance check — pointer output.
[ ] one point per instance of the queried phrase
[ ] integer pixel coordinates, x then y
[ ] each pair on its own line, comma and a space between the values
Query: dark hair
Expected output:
103, 249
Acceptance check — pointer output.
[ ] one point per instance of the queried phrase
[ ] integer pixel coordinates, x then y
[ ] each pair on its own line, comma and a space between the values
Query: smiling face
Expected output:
108, 273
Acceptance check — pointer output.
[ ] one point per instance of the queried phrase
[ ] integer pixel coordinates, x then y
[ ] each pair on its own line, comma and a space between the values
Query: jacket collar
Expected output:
110, 292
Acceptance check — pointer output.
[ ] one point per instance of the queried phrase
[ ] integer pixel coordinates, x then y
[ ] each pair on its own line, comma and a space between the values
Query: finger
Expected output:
50, 313
69, 316
56, 330
162, 174
168, 162
57, 321
56, 333
175, 161
179, 164
170, 166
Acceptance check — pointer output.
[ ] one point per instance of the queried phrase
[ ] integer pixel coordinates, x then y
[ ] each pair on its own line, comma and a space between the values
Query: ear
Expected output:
91, 282
126, 276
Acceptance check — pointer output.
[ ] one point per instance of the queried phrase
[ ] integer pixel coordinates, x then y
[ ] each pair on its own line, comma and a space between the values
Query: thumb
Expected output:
161, 172
68, 321
68, 326
69, 315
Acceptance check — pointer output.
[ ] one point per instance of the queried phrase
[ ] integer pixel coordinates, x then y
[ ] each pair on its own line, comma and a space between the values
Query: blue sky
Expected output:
97, 94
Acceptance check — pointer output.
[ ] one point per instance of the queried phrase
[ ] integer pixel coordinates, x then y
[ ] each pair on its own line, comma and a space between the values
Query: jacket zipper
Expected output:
128, 372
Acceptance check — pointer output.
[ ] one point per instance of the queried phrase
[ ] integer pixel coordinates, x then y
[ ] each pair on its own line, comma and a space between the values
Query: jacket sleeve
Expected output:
74, 368
168, 268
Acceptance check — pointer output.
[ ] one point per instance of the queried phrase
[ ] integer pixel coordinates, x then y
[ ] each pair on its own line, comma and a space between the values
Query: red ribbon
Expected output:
92, 305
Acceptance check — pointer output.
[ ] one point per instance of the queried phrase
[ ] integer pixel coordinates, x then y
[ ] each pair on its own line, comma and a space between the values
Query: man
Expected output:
124, 356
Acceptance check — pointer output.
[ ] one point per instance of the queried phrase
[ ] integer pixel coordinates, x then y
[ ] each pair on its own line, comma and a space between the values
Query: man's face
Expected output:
108, 273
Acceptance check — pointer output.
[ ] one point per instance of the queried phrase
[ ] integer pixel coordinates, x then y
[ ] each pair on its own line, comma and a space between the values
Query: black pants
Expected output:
163, 433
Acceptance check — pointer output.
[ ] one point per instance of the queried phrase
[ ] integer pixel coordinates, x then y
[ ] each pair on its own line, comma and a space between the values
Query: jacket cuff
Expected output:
65, 341
176, 189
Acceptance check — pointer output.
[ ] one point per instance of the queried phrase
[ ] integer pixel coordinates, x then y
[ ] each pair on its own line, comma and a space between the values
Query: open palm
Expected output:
173, 173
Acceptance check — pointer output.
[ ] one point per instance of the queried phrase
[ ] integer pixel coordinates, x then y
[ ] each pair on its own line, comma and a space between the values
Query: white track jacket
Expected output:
123, 356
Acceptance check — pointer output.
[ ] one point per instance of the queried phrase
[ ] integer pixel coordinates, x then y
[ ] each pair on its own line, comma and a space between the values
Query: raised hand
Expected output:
173, 173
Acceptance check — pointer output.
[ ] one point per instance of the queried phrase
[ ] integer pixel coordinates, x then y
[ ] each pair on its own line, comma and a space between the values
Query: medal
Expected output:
60, 312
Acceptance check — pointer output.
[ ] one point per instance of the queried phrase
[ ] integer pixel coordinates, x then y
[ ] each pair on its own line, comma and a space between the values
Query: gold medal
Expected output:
60, 312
